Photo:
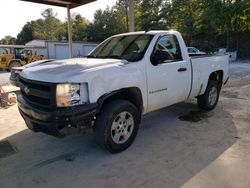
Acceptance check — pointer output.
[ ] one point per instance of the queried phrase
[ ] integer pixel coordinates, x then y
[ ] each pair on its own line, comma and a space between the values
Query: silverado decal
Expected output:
158, 90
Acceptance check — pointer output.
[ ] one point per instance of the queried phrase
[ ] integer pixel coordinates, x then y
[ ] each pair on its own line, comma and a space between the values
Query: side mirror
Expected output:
159, 56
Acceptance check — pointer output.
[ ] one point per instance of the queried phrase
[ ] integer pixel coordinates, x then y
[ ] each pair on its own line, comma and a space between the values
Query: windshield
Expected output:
129, 47
19, 51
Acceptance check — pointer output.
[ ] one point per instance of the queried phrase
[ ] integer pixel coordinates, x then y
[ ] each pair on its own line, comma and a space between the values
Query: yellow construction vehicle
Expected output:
16, 56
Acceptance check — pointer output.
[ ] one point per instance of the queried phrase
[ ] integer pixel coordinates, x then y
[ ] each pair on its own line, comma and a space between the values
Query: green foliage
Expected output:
26, 33
8, 40
201, 22
109, 22
48, 28
79, 28
151, 15
204, 23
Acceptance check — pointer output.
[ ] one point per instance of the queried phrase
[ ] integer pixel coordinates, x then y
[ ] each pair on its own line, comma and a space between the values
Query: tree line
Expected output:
206, 24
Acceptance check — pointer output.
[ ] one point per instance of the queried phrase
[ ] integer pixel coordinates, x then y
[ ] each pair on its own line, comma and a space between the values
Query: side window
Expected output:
166, 50
190, 50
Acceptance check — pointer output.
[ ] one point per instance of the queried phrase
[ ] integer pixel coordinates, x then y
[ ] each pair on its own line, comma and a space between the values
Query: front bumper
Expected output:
51, 121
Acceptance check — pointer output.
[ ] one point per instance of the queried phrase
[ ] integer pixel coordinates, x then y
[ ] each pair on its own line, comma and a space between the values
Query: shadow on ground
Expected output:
166, 153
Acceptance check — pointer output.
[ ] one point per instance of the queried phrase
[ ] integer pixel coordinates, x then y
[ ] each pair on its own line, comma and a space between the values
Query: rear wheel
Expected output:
116, 126
14, 64
209, 99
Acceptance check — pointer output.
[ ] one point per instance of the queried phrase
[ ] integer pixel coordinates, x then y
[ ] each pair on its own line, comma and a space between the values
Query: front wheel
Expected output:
116, 125
209, 99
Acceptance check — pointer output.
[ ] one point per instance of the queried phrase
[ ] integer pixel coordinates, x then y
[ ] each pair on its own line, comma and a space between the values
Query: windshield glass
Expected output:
3, 51
19, 51
129, 47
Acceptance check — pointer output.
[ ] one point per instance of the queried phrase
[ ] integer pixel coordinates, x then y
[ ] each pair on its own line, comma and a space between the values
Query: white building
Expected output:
60, 49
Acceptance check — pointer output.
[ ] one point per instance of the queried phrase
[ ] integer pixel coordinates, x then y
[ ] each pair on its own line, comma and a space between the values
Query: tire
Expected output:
209, 99
14, 64
116, 125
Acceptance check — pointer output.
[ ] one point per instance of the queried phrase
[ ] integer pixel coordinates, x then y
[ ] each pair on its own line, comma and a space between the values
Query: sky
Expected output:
14, 13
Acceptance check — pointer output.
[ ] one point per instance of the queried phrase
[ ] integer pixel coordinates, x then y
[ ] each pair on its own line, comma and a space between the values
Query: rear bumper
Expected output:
51, 121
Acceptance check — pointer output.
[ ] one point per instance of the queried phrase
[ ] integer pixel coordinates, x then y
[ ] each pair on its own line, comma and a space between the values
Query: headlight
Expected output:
71, 94
15, 73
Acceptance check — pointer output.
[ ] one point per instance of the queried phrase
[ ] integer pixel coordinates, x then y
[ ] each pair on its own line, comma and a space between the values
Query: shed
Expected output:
59, 49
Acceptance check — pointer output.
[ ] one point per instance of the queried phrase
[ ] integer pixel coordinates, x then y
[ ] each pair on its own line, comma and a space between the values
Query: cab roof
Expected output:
150, 32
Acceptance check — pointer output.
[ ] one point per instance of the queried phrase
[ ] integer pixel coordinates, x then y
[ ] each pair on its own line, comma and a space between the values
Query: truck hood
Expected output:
66, 70
35, 63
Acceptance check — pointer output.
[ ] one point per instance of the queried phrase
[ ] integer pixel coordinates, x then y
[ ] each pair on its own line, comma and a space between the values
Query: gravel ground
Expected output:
178, 146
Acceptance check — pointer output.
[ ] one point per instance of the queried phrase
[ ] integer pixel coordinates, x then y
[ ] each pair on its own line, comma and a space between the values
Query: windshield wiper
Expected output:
105, 57
90, 56
111, 57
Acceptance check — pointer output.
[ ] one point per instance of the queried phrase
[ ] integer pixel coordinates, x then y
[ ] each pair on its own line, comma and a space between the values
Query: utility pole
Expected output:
131, 15
69, 31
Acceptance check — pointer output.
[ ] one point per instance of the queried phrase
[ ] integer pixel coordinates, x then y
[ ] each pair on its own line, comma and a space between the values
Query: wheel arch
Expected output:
217, 76
132, 94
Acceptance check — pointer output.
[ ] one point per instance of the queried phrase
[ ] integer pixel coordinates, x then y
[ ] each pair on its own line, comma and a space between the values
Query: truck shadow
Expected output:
166, 153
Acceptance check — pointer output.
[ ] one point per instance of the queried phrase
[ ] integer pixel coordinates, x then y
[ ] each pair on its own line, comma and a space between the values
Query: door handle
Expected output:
182, 69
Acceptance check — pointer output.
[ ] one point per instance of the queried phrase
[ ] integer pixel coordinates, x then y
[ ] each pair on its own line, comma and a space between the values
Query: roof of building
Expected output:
11, 46
31, 43
62, 3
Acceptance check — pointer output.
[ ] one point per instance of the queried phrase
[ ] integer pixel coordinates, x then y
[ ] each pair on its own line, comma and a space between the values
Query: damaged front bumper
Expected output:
52, 121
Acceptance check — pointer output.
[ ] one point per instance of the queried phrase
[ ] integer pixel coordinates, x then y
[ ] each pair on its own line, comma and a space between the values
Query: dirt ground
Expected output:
178, 146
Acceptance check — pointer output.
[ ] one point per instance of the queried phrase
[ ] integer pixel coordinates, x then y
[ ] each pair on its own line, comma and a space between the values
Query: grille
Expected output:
12, 73
38, 93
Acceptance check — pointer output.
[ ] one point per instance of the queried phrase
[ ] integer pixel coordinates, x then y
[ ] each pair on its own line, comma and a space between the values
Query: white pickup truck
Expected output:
125, 77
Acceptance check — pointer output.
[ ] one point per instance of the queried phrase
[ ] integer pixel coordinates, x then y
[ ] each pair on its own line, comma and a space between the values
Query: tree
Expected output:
237, 20
183, 16
79, 27
205, 24
106, 23
151, 16
47, 28
8, 40
26, 33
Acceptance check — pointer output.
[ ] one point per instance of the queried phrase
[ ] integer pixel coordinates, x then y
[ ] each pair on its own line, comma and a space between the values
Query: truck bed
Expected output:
202, 66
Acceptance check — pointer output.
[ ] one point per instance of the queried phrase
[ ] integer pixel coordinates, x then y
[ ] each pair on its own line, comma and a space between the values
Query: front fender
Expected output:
104, 82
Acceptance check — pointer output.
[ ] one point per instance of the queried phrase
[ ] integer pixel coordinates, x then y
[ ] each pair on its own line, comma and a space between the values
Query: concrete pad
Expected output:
6, 149
10, 88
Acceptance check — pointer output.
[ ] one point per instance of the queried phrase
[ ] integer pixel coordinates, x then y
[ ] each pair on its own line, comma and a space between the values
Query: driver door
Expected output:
168, 75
